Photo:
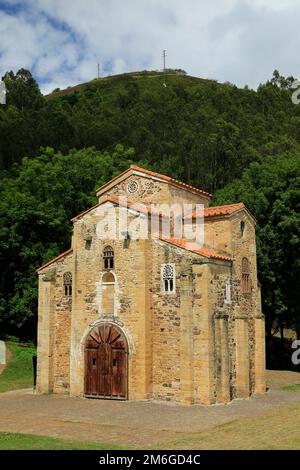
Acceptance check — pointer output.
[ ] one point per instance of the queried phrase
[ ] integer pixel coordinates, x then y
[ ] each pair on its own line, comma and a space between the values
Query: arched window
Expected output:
246, 287
168, 278
68, 284
108, 257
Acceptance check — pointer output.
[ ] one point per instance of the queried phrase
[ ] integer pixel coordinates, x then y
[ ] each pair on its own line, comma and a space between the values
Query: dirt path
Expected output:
133, 424
281, 378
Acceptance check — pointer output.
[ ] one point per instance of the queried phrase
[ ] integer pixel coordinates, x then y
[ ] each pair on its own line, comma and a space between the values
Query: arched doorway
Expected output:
106, 353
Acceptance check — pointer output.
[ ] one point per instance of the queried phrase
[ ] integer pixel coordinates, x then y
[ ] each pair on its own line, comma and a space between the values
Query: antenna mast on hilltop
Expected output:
164, 60
98, 70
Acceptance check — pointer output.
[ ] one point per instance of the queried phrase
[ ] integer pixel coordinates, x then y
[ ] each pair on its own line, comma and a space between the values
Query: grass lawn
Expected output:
275, 430
18, 372
292, 388
14, 441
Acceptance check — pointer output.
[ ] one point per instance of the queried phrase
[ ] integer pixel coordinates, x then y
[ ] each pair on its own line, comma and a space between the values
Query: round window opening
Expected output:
133, 186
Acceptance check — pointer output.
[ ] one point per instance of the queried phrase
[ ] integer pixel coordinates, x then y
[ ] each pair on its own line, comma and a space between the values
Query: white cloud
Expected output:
242, 41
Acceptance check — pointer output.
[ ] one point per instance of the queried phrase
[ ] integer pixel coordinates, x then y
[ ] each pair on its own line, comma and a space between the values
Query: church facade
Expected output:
153, 317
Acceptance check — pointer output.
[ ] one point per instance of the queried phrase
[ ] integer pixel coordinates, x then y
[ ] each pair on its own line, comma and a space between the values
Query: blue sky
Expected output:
61, 41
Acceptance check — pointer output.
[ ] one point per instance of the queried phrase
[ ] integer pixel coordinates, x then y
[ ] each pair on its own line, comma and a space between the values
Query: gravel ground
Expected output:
132, 423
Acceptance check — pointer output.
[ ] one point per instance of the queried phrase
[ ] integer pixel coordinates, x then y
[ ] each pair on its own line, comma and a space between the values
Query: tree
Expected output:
22, 90
280, 81
271, 190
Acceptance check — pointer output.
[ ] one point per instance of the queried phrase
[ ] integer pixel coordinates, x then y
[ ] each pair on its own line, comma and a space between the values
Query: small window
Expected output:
68, 284
168, 278
242, 227
108, 257
88, 244
246, 285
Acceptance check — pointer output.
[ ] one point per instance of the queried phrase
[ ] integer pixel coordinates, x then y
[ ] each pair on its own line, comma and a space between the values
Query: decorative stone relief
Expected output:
49, 275
138, 187
150, 187
87, 232
119, 189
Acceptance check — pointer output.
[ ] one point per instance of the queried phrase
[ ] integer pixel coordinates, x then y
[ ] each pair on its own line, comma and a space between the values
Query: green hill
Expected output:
200, 131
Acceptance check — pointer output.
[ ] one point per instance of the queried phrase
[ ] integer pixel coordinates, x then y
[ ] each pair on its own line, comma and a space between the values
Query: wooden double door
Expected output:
106, 354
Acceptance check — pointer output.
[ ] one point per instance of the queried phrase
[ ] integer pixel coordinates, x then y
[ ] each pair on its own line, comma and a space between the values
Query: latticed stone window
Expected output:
246, 284
68, 284
168, 278
108, 257
133, 186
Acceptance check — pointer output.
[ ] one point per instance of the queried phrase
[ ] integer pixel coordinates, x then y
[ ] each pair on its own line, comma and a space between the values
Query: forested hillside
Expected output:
197, 130
240, 144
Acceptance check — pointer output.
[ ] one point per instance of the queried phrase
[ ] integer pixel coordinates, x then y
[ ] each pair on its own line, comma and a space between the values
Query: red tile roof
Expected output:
221, 210
62, 255
195, 248
208, 211
170, 180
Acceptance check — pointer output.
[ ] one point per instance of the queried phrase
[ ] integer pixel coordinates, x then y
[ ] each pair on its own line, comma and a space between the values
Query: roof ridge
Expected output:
57, 258
194, 248
208, 211
137, 206
171, 180
225, 209
227, 205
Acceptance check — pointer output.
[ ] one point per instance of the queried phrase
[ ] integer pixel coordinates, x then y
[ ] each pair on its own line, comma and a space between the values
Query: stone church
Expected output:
161, 318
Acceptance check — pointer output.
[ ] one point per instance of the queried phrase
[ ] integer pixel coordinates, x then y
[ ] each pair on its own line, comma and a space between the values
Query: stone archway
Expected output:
106, 363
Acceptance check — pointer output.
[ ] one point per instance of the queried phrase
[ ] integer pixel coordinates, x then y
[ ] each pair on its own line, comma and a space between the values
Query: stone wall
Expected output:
212, 362
169, 310
54, 319
191, 361
62, 331
247, 307
131, 303
243, 318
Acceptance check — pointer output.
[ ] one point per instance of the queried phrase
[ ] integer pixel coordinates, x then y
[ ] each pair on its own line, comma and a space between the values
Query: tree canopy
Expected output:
200, 131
